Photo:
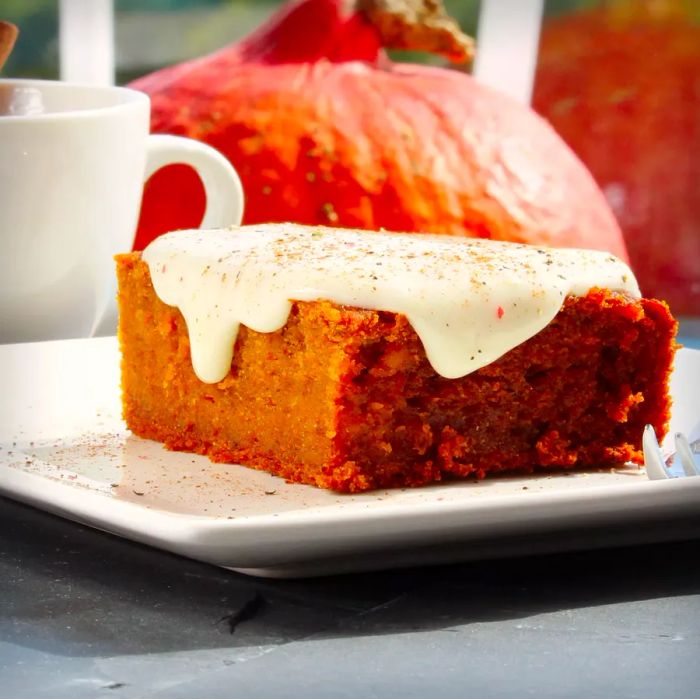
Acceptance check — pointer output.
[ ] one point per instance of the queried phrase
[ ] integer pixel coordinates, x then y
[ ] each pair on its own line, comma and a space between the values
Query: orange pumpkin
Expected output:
620, 84
324, 129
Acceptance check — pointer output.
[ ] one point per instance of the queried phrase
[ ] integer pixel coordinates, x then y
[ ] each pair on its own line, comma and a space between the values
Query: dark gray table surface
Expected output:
85, 614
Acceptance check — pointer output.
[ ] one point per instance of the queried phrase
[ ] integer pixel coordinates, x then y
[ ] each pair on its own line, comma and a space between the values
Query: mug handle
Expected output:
222, 185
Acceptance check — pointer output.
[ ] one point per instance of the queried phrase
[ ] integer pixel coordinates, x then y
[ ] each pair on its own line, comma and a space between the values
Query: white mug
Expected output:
73, 160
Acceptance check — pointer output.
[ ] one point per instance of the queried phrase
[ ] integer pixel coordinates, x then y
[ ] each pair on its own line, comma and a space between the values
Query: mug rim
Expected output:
130, 97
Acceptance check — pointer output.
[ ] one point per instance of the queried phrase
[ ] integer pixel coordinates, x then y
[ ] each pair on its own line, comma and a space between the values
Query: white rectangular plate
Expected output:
65, 449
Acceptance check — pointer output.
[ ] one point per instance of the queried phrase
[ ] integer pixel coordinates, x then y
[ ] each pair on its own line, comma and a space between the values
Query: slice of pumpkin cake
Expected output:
354, 360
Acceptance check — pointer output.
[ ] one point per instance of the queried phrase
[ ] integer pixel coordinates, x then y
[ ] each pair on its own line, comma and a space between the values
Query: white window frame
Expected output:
86, 41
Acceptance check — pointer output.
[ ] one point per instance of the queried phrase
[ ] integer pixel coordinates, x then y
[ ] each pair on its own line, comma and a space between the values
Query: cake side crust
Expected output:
576, 395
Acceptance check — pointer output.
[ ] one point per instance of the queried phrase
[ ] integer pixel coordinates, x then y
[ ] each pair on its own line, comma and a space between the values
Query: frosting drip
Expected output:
470, 301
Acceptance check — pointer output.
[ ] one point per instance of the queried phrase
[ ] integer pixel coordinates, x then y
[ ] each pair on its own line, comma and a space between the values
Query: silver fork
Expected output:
658, 468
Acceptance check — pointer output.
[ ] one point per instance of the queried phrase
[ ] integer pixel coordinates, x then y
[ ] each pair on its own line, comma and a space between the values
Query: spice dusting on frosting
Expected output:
470, 301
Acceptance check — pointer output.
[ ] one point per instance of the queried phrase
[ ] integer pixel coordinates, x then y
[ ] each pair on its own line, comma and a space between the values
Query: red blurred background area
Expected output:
620, 81
173, 198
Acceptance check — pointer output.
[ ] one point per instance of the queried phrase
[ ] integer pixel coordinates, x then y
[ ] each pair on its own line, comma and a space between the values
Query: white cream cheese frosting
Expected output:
469, 300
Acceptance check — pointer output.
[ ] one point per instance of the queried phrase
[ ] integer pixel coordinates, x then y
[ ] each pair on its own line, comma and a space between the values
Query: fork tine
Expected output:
686, 455
653, 459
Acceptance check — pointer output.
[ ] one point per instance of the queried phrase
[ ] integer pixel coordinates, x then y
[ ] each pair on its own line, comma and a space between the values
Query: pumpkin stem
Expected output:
356, 30
418, 25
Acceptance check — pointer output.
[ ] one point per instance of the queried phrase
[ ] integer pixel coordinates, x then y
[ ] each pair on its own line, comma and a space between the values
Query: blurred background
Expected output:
150, 34
618, 79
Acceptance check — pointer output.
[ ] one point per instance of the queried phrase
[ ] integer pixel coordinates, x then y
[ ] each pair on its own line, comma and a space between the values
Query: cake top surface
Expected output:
469, 300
